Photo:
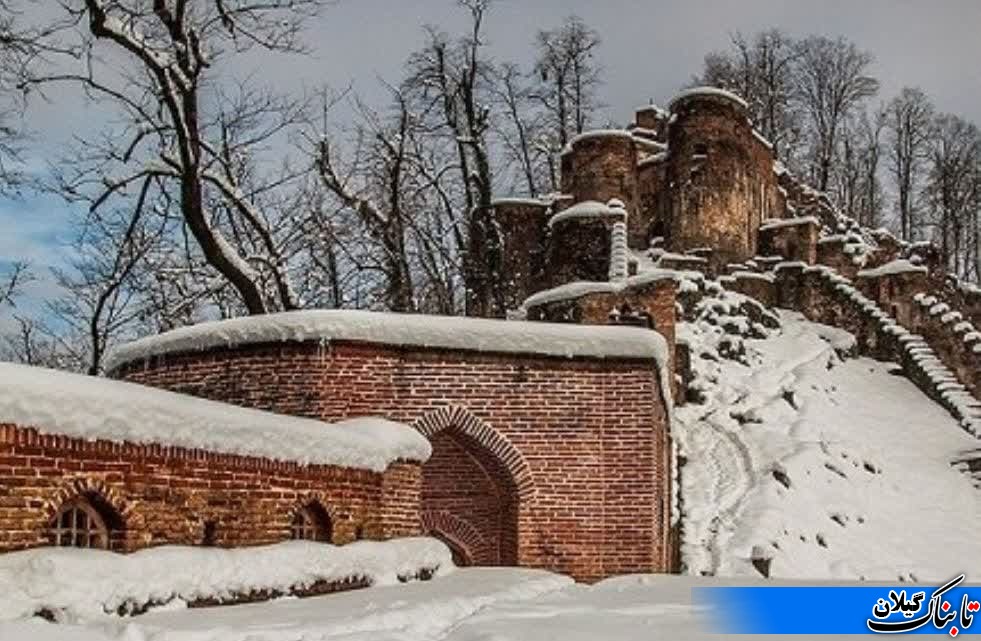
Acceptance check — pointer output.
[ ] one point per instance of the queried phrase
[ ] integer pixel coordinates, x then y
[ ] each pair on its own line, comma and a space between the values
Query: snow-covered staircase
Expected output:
919, 361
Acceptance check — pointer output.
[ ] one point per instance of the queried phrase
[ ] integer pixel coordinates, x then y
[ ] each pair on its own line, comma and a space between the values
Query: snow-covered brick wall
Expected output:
502, 404
91, 408
409, 330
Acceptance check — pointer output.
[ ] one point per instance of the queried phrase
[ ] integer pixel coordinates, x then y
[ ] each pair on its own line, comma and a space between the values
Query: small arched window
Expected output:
311, 523
79, 524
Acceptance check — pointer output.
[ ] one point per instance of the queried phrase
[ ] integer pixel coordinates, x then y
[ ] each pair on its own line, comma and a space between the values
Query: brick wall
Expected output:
601, 167
722, 180
655, 298
583, 443
793, 242
167, 495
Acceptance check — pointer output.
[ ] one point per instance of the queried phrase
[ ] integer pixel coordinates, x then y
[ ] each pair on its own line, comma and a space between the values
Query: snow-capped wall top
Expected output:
698, 92
577, 289
517, 200
900, 266
590, 209
774, 223
650, 144
416, 330
601, 133
661, 156
763, 140
93, 408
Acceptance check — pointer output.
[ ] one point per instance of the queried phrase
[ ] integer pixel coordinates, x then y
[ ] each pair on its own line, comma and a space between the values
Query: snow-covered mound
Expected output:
94, 408
81, 584
818, 467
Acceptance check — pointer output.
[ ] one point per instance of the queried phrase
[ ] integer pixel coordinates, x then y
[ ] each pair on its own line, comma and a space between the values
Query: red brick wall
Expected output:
462, 480
166, 495
583, 441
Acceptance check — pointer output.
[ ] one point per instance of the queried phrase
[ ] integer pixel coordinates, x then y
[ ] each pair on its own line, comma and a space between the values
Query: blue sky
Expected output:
650, 50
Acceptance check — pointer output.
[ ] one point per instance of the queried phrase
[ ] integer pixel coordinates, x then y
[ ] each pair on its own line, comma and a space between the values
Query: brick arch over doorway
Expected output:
473, 486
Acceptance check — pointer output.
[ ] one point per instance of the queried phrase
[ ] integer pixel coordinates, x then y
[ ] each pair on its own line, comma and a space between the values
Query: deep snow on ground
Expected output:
837, 469
79, 584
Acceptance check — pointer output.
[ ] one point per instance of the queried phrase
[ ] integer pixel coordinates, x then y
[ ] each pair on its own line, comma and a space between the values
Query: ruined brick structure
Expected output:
550, 436
538, 460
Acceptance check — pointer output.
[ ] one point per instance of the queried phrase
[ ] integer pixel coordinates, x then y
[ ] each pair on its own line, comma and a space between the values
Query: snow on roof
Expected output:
779, 168
516, 200
578, 289
590, 209
696, 92
94, 408
775, 223
899, 266
383, 328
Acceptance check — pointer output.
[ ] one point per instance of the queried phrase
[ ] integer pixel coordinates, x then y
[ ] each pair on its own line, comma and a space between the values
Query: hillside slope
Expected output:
819, 465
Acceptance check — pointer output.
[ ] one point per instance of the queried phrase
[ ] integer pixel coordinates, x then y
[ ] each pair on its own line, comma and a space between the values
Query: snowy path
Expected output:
834, 469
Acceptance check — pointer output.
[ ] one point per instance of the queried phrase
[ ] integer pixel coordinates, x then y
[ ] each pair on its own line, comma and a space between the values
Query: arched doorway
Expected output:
472, 488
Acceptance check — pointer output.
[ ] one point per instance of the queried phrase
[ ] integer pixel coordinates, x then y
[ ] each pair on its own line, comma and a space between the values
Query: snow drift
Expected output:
77, 584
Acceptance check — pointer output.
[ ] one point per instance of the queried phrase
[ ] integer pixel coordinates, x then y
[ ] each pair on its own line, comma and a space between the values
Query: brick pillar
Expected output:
400, 501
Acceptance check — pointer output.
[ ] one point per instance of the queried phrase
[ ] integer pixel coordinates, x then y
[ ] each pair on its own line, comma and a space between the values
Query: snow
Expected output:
514, 200
619, 252
751, 275
578, 289
384, 328
82, 583
91, 408
696, 92
597, 133
795, 444
779, 168
899, 266
763, 140
589, 209
774, 223
648, 143
653, 159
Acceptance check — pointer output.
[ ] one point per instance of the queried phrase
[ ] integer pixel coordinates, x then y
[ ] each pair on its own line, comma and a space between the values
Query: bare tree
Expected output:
909, 118
761, 70
855, 173
448, 87
569, 75
951, 191
831, 81
521, 129
102, 298
17, 276
178, 133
